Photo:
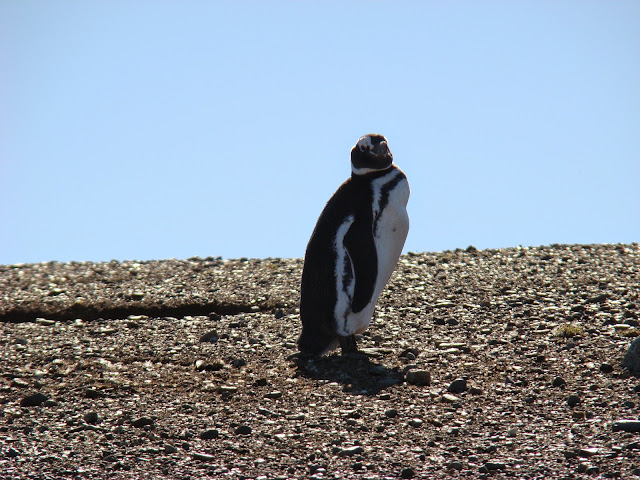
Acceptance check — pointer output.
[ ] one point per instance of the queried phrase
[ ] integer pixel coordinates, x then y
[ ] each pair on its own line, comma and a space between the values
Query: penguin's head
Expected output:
370, 154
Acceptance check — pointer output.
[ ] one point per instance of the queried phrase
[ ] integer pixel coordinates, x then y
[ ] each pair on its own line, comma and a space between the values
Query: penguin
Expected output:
353, 250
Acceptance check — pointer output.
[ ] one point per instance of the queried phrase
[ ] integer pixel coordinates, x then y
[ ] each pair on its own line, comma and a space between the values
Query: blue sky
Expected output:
169, 129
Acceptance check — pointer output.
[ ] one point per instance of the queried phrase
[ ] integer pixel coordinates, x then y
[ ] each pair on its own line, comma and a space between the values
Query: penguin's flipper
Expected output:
361, 247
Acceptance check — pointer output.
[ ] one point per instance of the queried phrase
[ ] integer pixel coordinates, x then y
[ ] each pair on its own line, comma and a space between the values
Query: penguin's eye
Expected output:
362, 148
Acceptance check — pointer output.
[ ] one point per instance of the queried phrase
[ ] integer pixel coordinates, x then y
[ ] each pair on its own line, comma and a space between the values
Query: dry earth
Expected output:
479, 364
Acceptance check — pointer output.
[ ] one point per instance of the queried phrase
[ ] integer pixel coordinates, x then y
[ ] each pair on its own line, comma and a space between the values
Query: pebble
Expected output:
350, 451
459, 385
390, 413
92, 418
416, 422
587, 452
33, 400
455, 466
494, 465
238, 362
209, 434
204, 457
228, 389
418, 377
142, 422
573, 400
631, 360
214, 366
606, 368
407, 473
627, 425
243, 430
559, 382
170, 449
12, 453
448, 398
273, 395
210, 337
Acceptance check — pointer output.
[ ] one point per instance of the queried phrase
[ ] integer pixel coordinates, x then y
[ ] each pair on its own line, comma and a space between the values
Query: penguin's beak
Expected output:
382, 150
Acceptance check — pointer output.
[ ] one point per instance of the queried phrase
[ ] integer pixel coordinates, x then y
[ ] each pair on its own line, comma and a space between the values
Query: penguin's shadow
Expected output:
359, 373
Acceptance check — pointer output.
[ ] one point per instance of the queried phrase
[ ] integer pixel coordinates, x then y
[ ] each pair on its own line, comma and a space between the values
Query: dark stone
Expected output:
626, 426
92, 418
210, 337
243, 430
209, 434
459, 385
559, 382
407, 473
606, 368
142, 422
33, 400
573, 400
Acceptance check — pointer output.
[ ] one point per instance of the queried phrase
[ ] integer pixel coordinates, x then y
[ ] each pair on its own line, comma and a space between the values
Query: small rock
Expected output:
631, 360
12, 453
213, 366
238, 362
351, 451
494, 465
243, 430
407, 473
44, 321
273, 395
626, 425
279, 314
573, 400
215, 316
512, 432
559, 382
455, 466
210, 337
459, 385
142, 422
204, 457
170, 449
20, 383
209, 434
390, 413
33, 400
448, 398
452, 321
92, 418
227, 389
606, 368
92, 393
416, 422
587, 452
418, 377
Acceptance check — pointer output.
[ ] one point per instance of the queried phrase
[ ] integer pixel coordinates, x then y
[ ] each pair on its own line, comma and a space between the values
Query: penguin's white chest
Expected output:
390, 227
390, 231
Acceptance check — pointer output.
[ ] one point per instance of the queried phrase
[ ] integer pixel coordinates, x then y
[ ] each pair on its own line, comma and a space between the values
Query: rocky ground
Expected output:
479, 364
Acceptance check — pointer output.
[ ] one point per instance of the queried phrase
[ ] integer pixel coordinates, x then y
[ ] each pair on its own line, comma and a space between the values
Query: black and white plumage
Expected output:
353, 250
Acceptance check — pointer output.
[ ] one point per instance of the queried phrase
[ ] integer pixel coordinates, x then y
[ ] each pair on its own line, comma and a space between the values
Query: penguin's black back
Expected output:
318, 289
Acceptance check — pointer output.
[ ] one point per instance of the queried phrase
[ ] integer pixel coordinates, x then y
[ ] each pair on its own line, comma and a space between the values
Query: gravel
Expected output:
478, 364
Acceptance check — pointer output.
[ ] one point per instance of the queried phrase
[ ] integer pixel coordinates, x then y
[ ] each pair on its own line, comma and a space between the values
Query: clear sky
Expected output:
170, 129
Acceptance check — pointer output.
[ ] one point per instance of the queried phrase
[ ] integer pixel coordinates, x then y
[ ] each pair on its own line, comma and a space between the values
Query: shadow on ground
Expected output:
359, 374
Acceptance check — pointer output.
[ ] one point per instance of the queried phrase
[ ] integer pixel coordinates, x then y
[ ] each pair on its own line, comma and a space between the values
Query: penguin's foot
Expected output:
348, 344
